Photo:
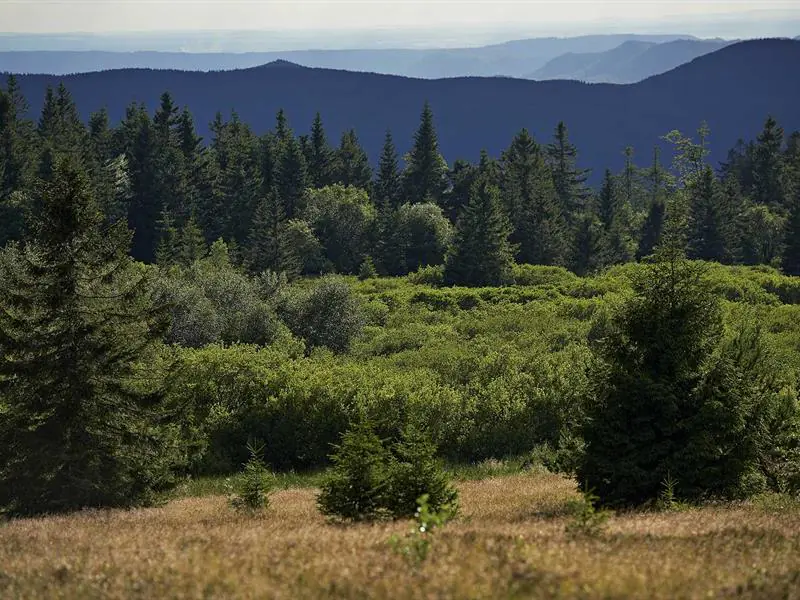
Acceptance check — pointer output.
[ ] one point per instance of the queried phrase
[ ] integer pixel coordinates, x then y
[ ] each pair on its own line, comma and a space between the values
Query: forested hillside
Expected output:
629, 62
732, 90
510, 59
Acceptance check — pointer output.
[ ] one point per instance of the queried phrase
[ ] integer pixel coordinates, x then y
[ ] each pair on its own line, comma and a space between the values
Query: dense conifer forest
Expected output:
173, 305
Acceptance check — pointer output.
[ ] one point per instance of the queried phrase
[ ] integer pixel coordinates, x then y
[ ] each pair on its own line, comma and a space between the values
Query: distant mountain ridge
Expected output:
629, 62
515, 58
733, 89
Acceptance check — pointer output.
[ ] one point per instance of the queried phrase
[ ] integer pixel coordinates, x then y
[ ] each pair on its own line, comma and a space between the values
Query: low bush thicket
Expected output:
486, 372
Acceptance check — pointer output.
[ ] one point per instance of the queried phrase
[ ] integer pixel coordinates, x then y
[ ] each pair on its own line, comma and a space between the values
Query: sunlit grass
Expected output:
509, 542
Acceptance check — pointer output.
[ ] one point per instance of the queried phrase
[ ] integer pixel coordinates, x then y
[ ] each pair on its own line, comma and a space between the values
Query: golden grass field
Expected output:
510, 542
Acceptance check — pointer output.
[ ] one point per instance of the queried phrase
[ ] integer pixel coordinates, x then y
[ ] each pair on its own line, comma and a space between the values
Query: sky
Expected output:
49, 16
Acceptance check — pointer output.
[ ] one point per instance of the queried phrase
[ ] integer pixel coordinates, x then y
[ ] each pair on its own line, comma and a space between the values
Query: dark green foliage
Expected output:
387, 186
652, 229
371, 478
482, 254
351, 165
356, 485
269, 246
415, 471
367, 269
712, 220
252, 490
320, 156
588, 254
568, 179
669, 396
614, 213
791, 249
767, 166
81, 428
342, 219
422, 235
539, 228
326, 315
292, 176
425, 176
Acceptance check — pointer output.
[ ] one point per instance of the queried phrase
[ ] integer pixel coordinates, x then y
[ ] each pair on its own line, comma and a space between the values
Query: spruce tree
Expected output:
768, 166
587, 254
425, 175
268, 246
791, 248
531, 204
351, 165
461, 178
168, 248
320, 156
482, 254
61, 132
16, 141
712, 220
568, 179
614, 212
657, 183
667, 403
386, 189
192, 243
292, 177
146, 202
81, 426
652, 229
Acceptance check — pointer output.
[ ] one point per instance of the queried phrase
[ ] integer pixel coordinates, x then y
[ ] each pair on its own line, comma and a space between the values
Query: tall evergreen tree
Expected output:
80, 428
320, 156
652, 228
146, 201
791, 247
657, 183
16, 145
61, 131
268, 246
481, 253
768, 166
425, 175
568, 179
292, 177
614, 212
712, 221
531, 204
461, 179
387, 185
351, 165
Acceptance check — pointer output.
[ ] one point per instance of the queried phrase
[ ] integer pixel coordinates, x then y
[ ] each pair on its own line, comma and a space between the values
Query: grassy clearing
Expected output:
510, 542
218, 485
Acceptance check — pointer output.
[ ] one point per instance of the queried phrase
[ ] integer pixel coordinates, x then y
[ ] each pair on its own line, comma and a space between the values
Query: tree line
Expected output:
299, 204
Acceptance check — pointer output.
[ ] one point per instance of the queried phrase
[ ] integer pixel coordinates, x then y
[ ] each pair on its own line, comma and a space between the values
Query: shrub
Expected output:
429, 275
328, 315
423, 234
253, 489
356, 485
341, 219
415, 472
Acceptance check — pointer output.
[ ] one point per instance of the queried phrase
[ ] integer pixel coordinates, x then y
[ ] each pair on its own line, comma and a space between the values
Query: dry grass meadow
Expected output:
510, 542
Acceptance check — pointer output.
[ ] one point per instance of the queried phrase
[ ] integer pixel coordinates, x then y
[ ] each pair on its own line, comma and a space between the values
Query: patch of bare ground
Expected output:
510, 542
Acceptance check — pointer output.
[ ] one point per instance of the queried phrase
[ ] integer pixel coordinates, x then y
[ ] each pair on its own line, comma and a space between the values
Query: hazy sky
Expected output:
46, 16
